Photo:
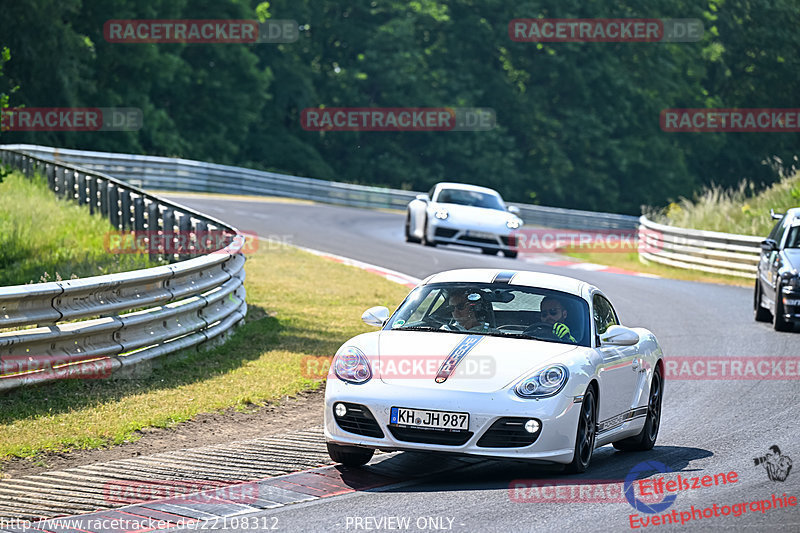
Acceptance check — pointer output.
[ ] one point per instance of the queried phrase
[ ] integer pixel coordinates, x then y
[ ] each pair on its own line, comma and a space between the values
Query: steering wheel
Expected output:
514, 327
540, 329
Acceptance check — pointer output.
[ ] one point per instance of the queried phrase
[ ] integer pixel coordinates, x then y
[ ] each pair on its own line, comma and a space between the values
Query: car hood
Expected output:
792, 257
414, 359
467, 214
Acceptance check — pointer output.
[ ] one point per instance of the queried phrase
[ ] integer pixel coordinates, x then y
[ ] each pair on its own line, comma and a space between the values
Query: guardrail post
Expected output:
92, 194
152, 229
200, 237
50, 171
69, 188
81, 189
125, 208
138, 214
113, 205
185, 244
103, 189
169, 233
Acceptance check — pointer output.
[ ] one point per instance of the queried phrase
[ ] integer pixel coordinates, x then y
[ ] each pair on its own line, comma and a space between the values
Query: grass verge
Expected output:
740, 210
43, 238
299, 305
630, 261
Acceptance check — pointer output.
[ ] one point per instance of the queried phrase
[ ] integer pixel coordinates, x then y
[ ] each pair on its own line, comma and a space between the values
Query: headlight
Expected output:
352, 366
441, 213
544, 383
791, 281
513, 223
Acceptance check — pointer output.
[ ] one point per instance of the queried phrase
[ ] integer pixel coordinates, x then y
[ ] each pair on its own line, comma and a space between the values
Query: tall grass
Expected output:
740, 210
43, 238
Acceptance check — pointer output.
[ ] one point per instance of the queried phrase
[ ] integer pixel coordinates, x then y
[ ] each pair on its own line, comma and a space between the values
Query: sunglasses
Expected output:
552, 312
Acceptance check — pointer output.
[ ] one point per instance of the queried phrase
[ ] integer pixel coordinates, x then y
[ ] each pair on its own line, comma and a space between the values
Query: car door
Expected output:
618, 371
771, 264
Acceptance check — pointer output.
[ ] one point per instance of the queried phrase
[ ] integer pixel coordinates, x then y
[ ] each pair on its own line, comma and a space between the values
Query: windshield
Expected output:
499, 310
793, 239
473, 198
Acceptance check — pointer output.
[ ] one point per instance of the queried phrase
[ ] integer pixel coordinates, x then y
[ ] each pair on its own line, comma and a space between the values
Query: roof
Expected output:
466, 187
513, 277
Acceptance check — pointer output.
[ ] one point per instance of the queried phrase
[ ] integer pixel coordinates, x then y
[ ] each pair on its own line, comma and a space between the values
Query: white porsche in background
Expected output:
455, 213
520, 365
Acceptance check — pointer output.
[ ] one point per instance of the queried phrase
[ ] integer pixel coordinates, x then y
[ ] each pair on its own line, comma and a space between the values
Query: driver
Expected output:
465, 306
554, 314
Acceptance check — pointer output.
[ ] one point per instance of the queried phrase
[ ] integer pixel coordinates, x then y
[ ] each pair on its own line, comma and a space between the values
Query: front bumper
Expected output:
555, 442
493, 238
791, 304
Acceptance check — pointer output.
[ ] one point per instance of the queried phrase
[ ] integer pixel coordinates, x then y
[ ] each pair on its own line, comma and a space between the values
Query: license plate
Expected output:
480, 235
402, 416
791, 302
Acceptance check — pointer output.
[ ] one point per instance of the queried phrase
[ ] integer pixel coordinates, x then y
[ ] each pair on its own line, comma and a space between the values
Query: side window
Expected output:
781, 231
430, 193
604, 314
773, 234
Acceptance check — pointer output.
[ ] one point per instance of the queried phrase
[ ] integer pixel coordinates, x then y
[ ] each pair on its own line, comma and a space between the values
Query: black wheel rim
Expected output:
654, 406
587, 428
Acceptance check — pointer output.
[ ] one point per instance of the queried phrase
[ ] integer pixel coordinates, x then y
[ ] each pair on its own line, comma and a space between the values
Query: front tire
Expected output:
778, 322
585, 437
646, 439
349, 455
759, 313
425, 240
511, 254
488, 251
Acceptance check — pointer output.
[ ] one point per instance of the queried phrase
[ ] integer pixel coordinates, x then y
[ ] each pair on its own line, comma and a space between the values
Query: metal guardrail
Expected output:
175, 174
707, 251
96, 326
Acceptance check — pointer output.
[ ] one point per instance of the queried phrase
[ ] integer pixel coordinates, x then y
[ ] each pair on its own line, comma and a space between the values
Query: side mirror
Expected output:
376, 316
424, 197
513, 210
619, 336
769, 245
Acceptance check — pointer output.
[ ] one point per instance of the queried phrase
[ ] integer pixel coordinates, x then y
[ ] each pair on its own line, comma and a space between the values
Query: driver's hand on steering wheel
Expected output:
561, 331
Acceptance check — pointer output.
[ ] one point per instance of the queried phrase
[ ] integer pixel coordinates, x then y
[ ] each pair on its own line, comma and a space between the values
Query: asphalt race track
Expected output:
708, 426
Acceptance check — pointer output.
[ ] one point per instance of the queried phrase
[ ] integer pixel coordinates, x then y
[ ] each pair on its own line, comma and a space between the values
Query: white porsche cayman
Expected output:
521, 365
455, 213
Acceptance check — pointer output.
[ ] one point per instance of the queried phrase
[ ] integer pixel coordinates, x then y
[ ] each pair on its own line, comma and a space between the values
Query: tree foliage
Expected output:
578, 123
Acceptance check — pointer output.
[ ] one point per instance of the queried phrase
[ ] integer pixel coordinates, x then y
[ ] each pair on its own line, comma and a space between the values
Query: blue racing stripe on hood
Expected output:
459, 352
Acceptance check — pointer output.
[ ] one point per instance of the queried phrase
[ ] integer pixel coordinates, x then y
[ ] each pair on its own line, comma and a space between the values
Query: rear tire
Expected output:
349, 455
646, 439
585, 437
778, 321
409, 237
759, 313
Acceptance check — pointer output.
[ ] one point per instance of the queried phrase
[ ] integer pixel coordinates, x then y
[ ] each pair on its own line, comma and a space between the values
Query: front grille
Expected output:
359, 420
508, 240
445, 233
508, 433
431, 436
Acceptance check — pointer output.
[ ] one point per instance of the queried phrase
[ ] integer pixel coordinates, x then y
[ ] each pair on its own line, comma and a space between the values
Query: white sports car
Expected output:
521, 365
454, 213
